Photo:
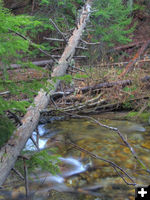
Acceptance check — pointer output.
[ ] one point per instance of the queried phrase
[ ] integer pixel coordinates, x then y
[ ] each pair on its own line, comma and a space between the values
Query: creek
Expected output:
81, 176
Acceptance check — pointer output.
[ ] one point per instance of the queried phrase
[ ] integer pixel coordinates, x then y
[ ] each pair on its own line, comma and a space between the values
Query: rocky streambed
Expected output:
81, 176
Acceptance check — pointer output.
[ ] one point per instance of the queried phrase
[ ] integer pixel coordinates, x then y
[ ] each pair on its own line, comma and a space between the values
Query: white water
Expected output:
77, 166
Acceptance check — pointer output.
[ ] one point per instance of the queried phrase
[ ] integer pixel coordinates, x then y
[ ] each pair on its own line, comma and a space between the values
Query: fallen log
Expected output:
10, 152
42, 62
121, 64
38, 63
88, 108
127, 46
101, 85
135, 59
97, 87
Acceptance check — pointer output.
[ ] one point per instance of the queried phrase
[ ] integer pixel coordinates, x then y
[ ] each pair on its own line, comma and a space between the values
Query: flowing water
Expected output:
81, 176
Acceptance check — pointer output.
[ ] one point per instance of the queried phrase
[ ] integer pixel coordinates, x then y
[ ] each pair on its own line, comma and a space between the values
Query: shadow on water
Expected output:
83, 177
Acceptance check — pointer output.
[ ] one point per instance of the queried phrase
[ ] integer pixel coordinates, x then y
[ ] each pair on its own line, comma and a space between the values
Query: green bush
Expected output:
6, 129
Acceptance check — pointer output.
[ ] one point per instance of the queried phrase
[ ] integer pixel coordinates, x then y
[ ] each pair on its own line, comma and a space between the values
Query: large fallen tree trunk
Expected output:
96, 87
103, 85
10, 152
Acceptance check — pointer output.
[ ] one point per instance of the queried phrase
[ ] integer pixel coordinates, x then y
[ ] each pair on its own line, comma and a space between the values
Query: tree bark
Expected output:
97, 87
10, 152
130, 65
44, 62
38, 63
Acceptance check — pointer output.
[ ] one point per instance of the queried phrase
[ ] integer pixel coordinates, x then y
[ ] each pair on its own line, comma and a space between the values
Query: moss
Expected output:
6, 130
132, 114
143, 117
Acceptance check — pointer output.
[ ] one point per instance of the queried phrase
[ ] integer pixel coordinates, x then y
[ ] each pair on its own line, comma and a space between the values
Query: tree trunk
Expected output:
10, 152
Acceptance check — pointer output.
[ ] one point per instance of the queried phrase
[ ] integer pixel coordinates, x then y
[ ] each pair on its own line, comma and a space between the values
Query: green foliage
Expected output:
132, 114
65, 10
66, 78
127, 105
10, 43
44, 160
111, 21
13, 105
80, 76
6, 129
26, 89
142, 117
13, 48
129, 89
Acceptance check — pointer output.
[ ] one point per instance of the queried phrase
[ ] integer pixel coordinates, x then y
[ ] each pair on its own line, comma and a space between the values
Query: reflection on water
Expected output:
85, 177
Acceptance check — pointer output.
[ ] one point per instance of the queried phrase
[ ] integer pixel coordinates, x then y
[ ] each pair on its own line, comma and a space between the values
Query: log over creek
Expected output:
82, 176
93, 158
10, 152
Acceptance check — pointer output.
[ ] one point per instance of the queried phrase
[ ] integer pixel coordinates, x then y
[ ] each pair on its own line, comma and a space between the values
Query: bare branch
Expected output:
4, 93
136, 57
90, 43
18, 173
35, 143
17, 119
54, 39
121, 136
25, 38
59, 31
26, 179
115, 166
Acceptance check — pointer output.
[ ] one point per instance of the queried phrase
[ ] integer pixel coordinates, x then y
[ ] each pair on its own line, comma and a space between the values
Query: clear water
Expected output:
83, 177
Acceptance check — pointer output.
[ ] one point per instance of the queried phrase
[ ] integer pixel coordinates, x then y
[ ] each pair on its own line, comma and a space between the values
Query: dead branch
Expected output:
35, 143
121, 64
43, 62
135, 59
105, 106
38, 63
76, 57
90, 103
122, 138
26, 179
78, 79
25, 38
54, 39
105, 85
78, 69
112, 164
17, 119
133, 44
97, 87
18, 173
33, 5
90, 43
59, 31
4, 93
101, 85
